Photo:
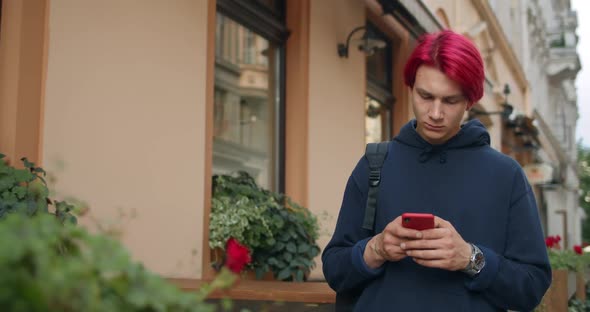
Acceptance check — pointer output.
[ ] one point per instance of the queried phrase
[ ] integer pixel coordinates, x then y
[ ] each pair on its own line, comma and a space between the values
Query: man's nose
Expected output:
436, 111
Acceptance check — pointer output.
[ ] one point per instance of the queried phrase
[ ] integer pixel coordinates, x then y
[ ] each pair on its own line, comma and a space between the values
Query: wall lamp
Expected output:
369, 43
506, 111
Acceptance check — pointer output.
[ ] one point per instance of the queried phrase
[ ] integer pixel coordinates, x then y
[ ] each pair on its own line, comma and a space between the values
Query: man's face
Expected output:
438, 103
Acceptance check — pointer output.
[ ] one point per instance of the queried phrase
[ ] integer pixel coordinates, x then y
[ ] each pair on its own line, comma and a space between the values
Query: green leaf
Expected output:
27, 163
22, 176
72, 219
31, 207
260, 272
291, 247
279, 246
227, 304
19, 192
303, 248
288, 256
299, 276
40, 170
272, 261
314, 251
284, 274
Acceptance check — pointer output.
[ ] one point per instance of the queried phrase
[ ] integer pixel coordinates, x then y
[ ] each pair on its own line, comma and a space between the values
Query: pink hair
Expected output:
454, 55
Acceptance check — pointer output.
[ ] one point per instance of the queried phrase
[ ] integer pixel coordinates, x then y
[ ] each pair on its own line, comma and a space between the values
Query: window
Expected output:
248, 126
379, 99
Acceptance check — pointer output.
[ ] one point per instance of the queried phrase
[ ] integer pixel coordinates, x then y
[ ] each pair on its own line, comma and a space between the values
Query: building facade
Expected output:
134, 105
543, 32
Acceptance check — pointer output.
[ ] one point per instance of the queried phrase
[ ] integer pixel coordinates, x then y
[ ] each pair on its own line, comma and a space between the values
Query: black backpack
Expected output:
375, 154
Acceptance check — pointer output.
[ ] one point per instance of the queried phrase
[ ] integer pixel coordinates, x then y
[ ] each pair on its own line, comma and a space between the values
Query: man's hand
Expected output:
385, 246
441, 247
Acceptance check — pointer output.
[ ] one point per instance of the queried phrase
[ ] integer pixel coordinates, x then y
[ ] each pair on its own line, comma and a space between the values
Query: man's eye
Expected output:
426, 97
452, 101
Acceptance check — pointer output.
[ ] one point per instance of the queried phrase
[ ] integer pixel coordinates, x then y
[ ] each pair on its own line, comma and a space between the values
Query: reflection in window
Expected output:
379, 68
245, 101
379, 99
377, 121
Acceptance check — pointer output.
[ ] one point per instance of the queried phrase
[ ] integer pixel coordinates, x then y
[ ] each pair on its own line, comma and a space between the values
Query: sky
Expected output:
583, 79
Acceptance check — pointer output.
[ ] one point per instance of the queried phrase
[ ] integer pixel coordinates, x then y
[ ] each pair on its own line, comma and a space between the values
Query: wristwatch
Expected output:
476, 262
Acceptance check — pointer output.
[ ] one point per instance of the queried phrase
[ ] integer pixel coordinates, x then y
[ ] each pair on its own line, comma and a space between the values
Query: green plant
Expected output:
584, 177
25, 191
575, 305
95, 273
280, 233
47, 263
574, 260
563, 259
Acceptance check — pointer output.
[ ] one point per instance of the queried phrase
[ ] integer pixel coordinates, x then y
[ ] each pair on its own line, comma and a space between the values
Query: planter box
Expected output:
318, 293
556, 297
571, 283
564, 286
581, 286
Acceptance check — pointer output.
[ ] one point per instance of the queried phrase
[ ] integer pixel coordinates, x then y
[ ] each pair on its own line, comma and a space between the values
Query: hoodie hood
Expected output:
472, 134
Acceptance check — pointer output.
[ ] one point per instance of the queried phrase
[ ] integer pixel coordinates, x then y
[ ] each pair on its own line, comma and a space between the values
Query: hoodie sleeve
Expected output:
518, 278
343, 264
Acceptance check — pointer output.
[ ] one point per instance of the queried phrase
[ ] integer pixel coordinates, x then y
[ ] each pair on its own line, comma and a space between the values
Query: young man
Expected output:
486, 252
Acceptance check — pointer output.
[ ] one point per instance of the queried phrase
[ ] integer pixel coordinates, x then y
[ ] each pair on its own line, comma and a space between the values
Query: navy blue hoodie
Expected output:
483, 193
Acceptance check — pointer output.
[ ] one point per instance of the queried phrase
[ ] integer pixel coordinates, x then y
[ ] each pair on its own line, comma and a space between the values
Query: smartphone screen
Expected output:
418, 221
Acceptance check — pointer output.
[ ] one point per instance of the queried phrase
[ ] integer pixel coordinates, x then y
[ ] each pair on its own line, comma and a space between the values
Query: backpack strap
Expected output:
375, 154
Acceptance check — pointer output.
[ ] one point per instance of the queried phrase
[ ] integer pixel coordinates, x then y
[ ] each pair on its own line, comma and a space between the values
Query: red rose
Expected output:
236, 255
558, 238
578, 249
549, 241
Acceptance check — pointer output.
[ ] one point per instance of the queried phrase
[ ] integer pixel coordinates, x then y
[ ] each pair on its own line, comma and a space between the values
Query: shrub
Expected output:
280, 233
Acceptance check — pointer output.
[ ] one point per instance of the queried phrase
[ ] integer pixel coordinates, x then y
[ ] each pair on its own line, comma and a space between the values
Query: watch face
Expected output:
479, 261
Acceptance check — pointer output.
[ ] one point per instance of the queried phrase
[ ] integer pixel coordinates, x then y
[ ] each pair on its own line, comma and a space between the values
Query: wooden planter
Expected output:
556, 297
581, 286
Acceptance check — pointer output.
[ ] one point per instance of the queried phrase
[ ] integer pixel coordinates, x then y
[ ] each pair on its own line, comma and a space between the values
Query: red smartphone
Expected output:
418, 221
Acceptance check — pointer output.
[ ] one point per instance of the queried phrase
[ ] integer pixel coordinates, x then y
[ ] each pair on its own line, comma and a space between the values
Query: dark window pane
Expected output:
378, 68
274, 5
379, 100
379, 64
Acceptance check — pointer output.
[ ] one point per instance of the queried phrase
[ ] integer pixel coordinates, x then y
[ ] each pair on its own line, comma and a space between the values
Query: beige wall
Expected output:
125, 114
336, 98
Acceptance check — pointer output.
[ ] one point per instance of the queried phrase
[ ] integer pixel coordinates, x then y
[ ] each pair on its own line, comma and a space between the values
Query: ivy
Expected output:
25, 191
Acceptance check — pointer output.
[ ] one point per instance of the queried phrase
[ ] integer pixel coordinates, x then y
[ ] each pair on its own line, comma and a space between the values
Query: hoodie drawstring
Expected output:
427, 153
443, 157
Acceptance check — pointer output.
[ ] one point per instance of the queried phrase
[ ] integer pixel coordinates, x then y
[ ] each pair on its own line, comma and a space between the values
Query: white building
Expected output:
542, 34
